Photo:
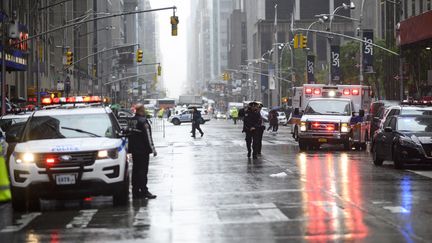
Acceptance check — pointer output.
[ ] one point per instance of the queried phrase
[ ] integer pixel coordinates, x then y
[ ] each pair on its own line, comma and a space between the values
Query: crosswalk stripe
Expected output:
83, 219
21, 223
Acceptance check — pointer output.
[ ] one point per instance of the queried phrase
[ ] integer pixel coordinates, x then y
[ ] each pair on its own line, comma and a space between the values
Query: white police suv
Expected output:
69, 154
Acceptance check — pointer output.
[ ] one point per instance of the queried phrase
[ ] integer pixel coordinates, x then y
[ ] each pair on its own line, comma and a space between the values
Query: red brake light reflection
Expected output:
50, 161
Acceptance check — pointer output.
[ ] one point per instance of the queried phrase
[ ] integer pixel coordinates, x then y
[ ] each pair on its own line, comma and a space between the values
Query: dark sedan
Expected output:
404, 139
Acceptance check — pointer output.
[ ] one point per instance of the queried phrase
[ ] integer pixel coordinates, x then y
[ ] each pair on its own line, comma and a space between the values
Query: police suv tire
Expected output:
22, 202
398, 163
121, 198
176, 121
376, 159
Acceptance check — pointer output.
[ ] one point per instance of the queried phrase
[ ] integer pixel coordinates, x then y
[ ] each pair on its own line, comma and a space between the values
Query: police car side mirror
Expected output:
12, 137
388, 129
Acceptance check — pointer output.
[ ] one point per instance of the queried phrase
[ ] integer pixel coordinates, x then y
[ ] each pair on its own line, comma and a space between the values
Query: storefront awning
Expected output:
416, 29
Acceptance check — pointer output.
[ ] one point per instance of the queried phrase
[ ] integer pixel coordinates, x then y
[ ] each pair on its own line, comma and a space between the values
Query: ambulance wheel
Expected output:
303, 146
347, 145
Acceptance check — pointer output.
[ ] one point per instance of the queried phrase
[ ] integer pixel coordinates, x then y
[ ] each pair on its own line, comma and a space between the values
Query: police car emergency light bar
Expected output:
72, 100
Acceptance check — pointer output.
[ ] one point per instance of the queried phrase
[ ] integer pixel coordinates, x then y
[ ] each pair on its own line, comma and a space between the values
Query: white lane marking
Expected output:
83, 219
397, 209
21, 223
279, 175
141, 218
272, 215
247, 206
199, 143
423, 173
381, 202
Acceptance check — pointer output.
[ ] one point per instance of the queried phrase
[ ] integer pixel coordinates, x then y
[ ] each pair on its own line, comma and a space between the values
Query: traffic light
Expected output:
139, 55
297, 40
159, 70
174, 23
225, 76
303, 43
69, 57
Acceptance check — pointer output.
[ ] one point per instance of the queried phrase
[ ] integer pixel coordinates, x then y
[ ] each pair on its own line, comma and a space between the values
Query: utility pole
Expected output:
3, 80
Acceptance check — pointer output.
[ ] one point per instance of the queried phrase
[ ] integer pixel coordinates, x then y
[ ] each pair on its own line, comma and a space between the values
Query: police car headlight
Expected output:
303, 126
24, 158
344, 127
108, 154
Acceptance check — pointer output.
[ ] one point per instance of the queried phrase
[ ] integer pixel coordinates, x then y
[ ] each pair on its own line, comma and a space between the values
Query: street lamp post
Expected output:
361, 78
331, 16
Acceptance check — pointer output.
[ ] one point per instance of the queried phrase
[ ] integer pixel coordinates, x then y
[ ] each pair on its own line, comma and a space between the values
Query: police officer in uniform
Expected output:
141, 146
251, 126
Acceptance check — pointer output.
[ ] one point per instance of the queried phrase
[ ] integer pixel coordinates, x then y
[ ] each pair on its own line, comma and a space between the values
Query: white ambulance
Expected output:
324, 114
68, 154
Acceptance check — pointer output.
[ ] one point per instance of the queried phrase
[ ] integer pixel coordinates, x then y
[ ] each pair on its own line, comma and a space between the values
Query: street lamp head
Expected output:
350, 6
324, 18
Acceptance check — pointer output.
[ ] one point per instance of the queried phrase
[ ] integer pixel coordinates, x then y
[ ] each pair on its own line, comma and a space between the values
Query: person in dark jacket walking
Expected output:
251, 126
141, 146
196, 120
273, 121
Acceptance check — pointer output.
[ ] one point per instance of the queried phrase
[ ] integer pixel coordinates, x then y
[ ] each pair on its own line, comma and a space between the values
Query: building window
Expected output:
406, 9
421, 6
413, 8
428, 4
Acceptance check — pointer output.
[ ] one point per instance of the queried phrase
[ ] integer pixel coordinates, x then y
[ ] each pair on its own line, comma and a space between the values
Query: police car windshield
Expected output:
328, 107
415, 124
69, 126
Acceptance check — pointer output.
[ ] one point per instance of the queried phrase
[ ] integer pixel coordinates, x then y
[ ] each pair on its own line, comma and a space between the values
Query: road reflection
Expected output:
323, 175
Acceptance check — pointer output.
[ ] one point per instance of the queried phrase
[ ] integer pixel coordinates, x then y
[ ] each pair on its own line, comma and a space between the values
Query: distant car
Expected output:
282, 118
404, 139
220, 115
264, 114
186, 116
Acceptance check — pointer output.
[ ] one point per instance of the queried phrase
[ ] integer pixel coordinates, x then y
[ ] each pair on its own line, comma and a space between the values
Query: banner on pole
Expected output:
310, 69
335, 63
368, 51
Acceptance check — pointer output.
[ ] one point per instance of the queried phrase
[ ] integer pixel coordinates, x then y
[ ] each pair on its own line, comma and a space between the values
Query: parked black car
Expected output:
404, 139
376, 114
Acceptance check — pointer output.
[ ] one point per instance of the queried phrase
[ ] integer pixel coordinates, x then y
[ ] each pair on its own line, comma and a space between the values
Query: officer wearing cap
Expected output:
251, 126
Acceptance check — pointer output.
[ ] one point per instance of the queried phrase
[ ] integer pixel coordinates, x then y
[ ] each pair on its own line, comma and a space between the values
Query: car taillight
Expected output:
308, 91
317, 91
355, 92
346, 92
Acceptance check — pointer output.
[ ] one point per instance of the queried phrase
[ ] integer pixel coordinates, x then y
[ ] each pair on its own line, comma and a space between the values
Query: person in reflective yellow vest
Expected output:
5, 193
234, 114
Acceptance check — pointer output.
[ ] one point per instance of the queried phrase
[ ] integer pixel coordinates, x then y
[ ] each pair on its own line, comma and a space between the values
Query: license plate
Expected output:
65, 179
322, 140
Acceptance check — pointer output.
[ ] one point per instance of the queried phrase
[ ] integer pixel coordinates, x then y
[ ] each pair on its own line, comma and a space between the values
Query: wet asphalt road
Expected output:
208, 190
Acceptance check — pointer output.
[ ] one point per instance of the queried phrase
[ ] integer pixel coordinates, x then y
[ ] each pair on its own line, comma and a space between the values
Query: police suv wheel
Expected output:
21, 201
121, 198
